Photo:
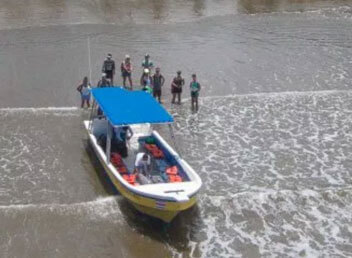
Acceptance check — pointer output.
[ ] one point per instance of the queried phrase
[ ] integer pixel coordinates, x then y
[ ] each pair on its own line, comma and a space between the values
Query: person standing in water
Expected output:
195, 88
126, 71
147, 64
157, 81
103, 82
84, 90
146, 81
109, 68
176, 88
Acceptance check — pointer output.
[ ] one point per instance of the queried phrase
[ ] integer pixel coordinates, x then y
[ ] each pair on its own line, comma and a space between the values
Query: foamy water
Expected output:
276, 173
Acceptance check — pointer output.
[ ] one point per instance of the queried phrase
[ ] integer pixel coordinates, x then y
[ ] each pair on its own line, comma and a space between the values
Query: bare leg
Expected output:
82, 103
124, 81
179, 98
130, 80
196, 100
88, 105
192, 101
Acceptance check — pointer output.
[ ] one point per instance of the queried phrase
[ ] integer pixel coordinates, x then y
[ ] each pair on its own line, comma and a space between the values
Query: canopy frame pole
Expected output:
91, 115
89, 60
174, 139
108, 142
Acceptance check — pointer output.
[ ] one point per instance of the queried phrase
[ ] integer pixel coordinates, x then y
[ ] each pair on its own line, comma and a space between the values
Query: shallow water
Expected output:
272, 140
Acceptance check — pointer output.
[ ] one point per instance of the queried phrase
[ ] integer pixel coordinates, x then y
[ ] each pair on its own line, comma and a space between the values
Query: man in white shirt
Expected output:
142, 168
142, 164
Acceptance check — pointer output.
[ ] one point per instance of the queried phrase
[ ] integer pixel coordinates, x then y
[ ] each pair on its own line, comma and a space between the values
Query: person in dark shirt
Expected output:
157, 81
109, 68
176, 88
103, 82
147, 63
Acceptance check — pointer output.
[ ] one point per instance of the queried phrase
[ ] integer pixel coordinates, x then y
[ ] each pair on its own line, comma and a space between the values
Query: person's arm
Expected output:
149, 164
131, 133
103, 68
173, 84
79, 88
113, 67
162, 80
183, 82
199, 86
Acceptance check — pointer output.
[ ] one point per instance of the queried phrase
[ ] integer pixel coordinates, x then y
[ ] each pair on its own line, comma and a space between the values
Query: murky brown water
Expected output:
272, 140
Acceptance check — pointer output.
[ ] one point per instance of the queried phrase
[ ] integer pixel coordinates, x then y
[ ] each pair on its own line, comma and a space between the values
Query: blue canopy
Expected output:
123, 107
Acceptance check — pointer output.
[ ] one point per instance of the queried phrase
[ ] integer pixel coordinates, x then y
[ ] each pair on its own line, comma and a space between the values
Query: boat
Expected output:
172, 184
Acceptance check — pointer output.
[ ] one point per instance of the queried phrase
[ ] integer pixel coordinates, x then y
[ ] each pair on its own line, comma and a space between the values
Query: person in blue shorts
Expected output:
84, 90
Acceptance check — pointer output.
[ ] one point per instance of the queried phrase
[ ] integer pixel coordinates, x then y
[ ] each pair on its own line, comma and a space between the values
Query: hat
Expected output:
127, 56
147, 55
109, 55
146, 70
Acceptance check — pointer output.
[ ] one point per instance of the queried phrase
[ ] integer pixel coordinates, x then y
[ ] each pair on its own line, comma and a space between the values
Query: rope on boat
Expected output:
174, 139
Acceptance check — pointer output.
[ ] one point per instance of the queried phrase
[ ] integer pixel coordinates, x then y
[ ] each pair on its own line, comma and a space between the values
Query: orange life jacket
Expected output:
172, 170
130, 178
122, 169
175, 178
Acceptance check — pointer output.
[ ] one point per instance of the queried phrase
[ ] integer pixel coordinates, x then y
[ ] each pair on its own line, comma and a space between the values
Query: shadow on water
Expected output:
176, 234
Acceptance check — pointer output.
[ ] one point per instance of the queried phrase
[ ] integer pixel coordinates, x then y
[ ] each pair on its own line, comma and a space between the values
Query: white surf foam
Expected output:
35, 109
101, 208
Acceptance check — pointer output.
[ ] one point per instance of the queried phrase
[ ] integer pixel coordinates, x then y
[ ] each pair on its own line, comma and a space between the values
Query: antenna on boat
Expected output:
89, 60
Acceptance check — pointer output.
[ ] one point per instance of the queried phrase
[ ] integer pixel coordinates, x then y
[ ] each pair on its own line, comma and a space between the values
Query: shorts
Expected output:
176, 90
109, 74
194, 94
157, 93
125, 74
85, 97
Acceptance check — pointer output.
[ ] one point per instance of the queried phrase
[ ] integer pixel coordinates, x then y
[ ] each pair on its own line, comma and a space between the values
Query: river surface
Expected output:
272, 140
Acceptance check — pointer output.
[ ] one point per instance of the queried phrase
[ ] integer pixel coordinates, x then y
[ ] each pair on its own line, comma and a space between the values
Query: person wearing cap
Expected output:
126, 71
176, 88
157, 81
109, 68
103, 82
147, 64
146, 81
195, 88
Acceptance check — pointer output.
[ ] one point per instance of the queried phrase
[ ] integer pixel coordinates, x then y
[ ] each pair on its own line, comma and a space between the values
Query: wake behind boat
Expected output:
171, 185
